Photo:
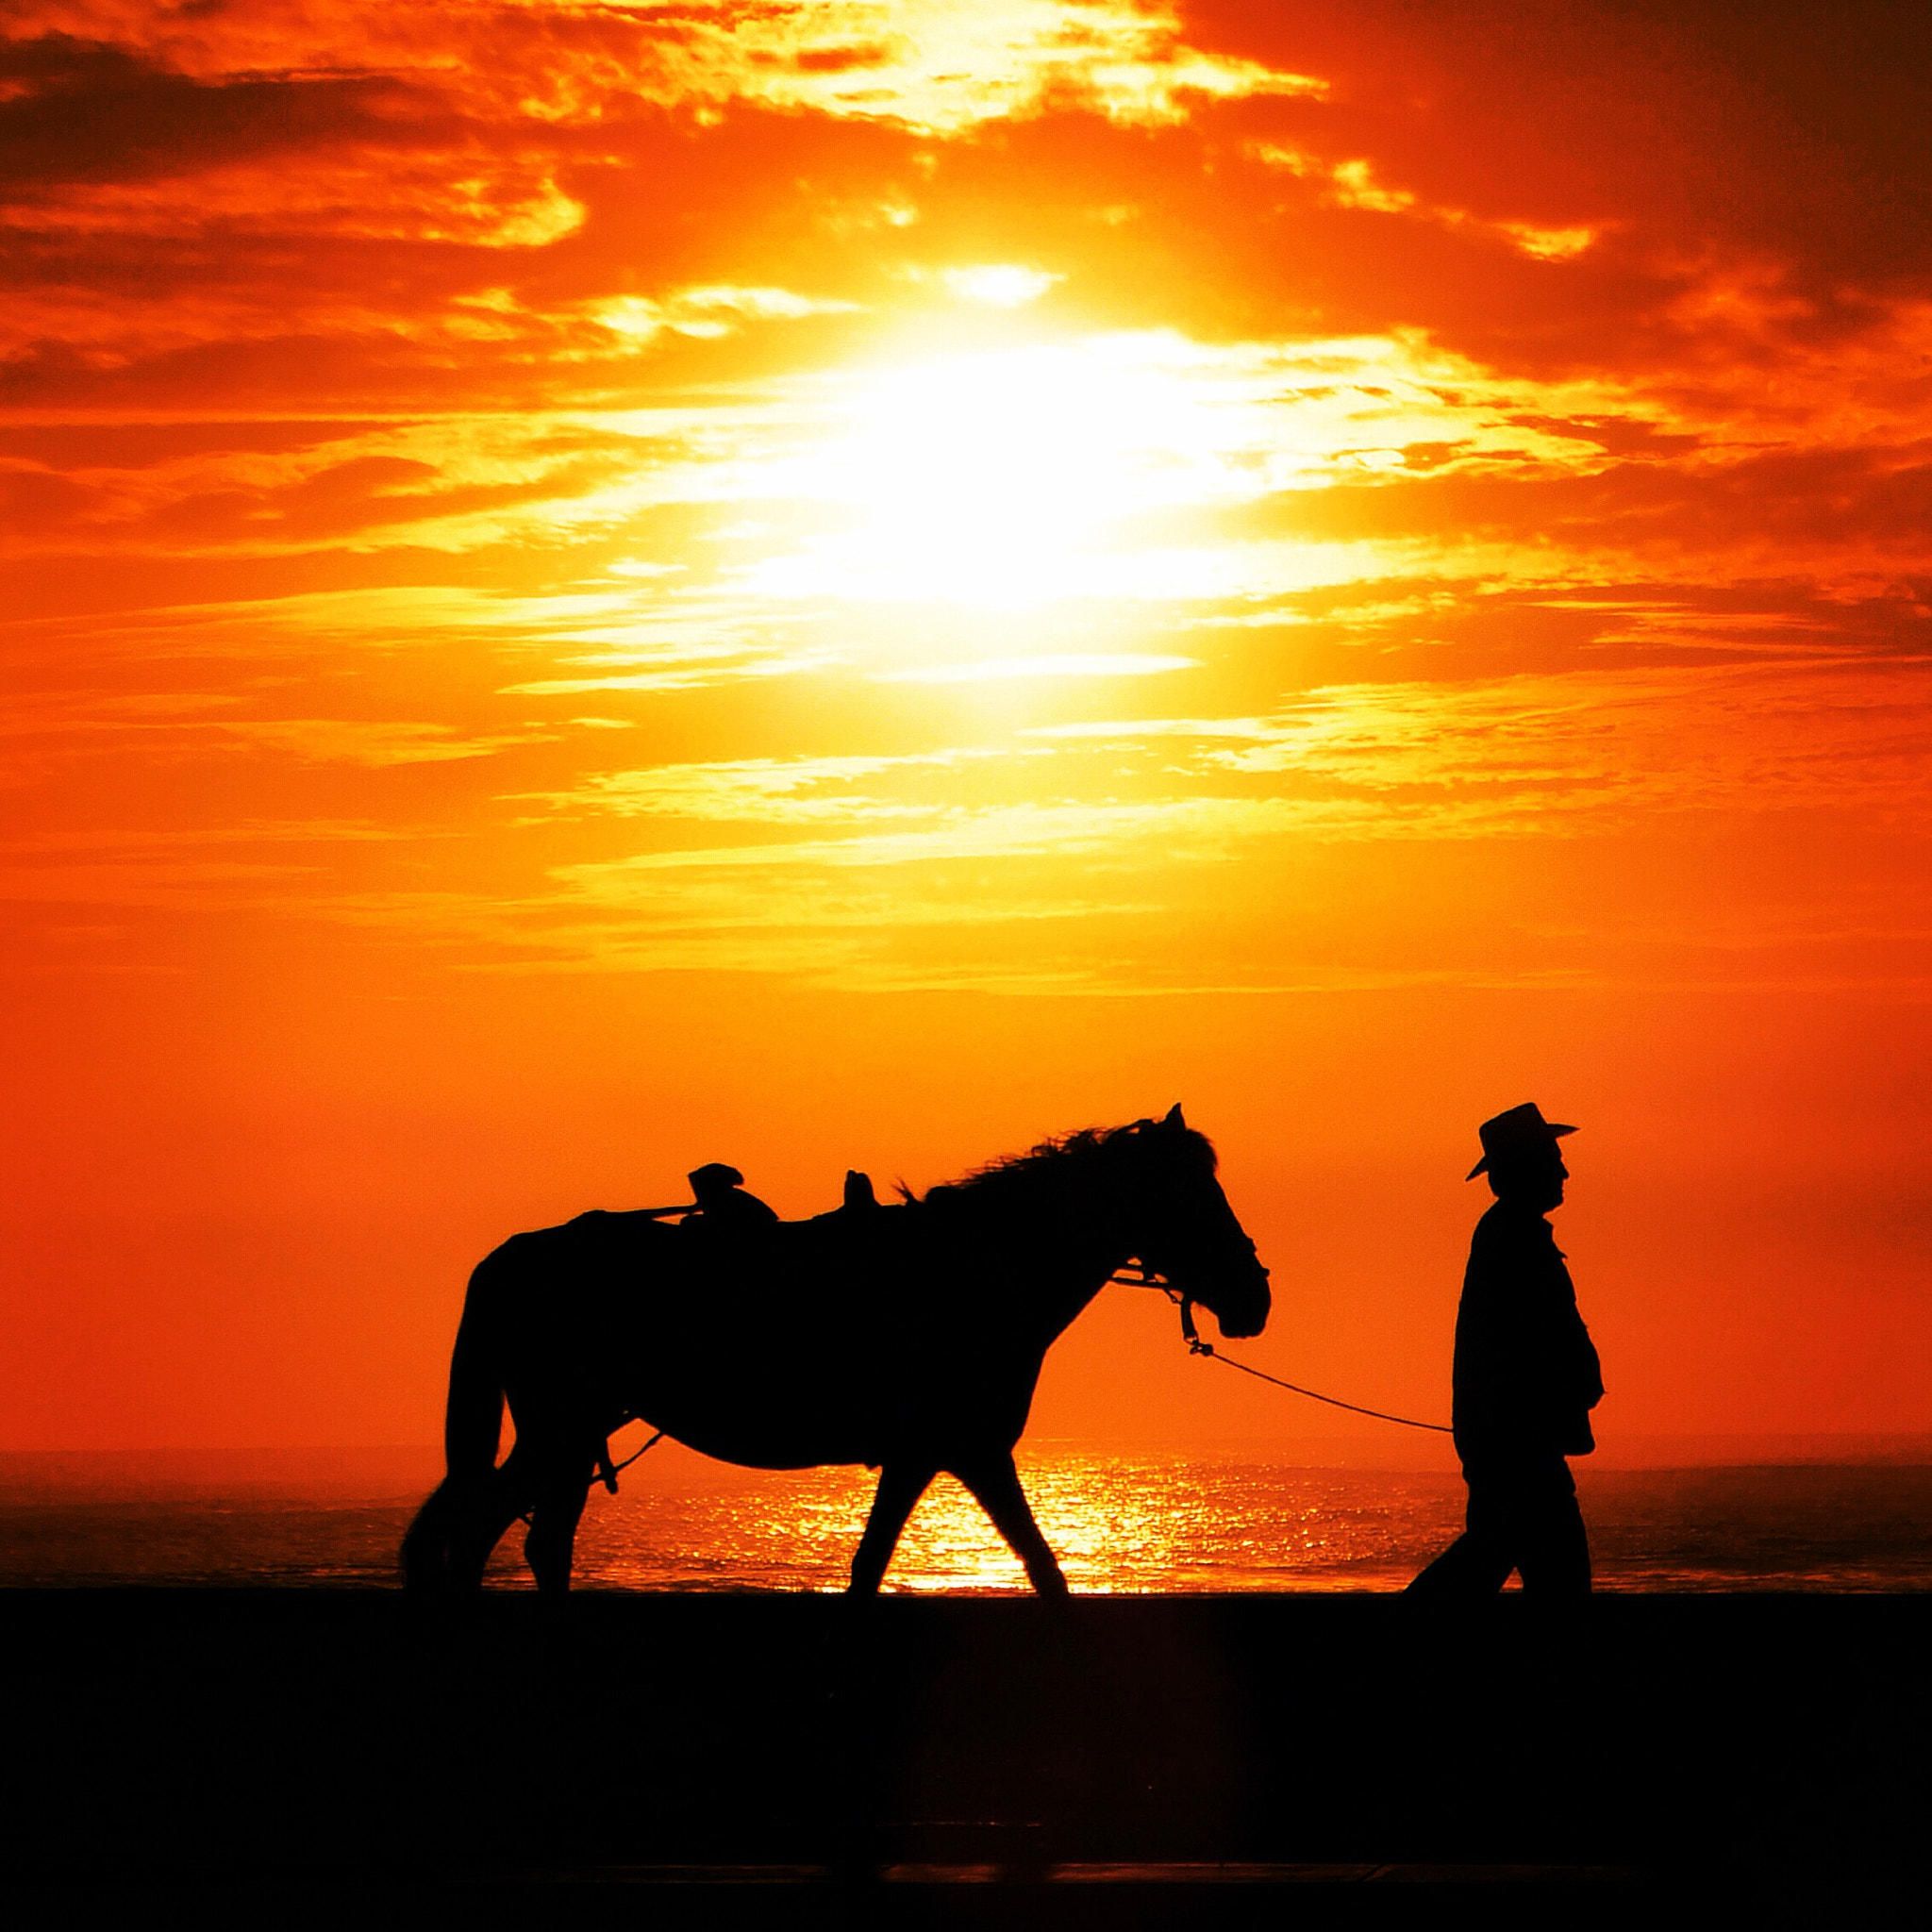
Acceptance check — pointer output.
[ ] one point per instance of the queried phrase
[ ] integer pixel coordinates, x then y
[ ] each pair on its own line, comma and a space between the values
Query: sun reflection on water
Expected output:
1121, 1525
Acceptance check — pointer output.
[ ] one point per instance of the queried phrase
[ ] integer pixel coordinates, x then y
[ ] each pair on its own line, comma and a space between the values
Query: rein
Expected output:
1149, 1277
606, 1470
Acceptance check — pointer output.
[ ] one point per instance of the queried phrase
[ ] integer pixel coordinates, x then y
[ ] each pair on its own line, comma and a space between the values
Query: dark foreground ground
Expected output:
711, 1761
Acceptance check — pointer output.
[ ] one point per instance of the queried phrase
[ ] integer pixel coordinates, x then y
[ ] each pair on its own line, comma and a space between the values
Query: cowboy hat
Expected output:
1516, 1132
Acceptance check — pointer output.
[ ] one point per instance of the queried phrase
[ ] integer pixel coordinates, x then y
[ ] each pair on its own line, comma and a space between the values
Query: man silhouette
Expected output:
1526, 1377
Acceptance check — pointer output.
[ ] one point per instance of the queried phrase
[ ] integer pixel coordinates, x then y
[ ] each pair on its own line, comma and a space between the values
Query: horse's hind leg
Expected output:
995, 1485
486, 1513
901, 1485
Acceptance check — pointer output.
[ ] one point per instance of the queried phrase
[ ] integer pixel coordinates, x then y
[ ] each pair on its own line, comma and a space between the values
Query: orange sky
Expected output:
593, 588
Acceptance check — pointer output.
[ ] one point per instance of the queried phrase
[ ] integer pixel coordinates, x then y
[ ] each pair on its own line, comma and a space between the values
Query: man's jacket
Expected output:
1527, 1374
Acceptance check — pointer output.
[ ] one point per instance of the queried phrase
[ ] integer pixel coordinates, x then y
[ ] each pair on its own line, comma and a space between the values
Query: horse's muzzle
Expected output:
1246, 1313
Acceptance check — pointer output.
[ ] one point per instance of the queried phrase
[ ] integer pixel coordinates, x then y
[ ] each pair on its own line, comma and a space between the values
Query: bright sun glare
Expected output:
997, 477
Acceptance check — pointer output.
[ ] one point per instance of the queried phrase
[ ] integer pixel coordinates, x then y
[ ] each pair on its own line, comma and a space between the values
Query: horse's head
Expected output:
1183, 1228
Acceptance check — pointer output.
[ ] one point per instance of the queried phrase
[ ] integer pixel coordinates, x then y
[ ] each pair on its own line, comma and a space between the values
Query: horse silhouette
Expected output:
907, 1338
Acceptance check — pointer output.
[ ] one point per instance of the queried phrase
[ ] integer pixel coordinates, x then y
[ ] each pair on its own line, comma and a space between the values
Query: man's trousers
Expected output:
1522, 1516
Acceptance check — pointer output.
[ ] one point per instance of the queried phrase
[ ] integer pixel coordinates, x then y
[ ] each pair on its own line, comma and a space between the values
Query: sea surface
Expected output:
1130, 1523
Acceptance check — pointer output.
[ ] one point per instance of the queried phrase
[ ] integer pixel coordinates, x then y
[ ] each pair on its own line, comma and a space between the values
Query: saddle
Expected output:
720, 1202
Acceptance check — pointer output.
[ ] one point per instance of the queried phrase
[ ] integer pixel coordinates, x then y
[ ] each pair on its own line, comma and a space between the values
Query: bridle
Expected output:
1152, 1277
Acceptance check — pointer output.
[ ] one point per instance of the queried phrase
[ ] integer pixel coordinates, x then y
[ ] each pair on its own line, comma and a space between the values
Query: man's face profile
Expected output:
1532, 1178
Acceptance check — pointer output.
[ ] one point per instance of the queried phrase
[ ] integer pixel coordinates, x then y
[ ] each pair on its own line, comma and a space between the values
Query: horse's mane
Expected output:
1015, 1176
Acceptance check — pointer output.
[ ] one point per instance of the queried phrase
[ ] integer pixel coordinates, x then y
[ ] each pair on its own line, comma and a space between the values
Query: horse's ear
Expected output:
1174, 1118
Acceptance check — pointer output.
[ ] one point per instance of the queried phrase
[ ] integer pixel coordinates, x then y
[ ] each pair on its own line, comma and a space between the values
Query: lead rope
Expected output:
1191, 1336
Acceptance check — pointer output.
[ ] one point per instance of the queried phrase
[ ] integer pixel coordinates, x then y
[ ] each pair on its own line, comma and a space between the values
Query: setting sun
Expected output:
1004, 476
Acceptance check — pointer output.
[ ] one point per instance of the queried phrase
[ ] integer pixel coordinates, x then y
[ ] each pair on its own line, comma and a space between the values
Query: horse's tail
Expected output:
472, 1432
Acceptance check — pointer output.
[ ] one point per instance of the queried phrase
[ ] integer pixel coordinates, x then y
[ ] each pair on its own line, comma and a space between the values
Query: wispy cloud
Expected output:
368, 742
765, 791
1353, 183
1046, 664
931, 64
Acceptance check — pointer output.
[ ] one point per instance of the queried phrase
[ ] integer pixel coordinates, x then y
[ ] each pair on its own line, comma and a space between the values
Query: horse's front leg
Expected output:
996, 1486
551, 1544
901, 1485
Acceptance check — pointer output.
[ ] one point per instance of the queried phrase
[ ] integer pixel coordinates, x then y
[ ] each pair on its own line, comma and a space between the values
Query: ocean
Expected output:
1123, 1522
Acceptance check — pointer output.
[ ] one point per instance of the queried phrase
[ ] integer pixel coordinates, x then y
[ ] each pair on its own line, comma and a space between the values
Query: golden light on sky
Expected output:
826, 584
